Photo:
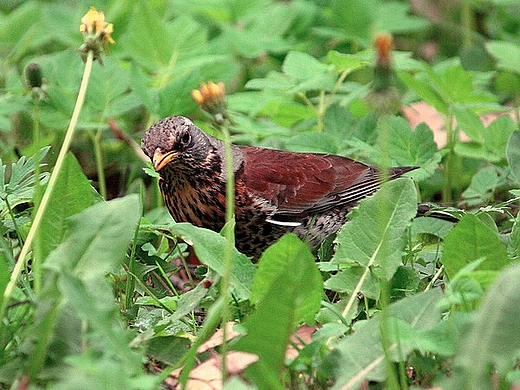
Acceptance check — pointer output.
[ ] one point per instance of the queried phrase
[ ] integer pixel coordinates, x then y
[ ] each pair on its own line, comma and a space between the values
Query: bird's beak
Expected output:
160, 159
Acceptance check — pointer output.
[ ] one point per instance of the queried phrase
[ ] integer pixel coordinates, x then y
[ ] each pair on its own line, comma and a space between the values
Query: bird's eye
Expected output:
185, 139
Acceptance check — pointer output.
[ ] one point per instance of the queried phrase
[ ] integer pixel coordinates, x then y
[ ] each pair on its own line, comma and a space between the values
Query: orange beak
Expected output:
160, 160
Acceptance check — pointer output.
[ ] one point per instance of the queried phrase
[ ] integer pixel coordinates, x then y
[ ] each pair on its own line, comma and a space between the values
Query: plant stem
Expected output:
98, 154
52, 182
448, 165
230, 242
467, 22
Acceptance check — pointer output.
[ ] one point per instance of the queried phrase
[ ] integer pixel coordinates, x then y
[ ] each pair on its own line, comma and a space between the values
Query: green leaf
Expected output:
303, 66
409, 147
310, 73
433, 226
75, 286
347, 279
375, 236
360, 355
72, 194
470, 240
493, 341
21, 184
483, 183
355, 19
497, 135
345, 61
507, 54
189, 301
513, 154
210, 248
98, 238
425, 91
290, 254
175, 97
397, 18
154, 49
281, 303
470, 123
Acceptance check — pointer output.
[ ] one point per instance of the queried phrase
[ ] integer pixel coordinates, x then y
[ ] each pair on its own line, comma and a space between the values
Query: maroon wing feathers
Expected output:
303, 184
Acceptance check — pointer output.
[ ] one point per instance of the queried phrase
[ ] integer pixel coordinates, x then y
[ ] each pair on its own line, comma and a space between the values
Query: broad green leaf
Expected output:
483, 183
425, 91
281, 303
493, 341
175, 98
396, 18
210, 248
354, 19
75, 286
507, 54
475, 150
360, 356
98, 238
290, 253
375, 237
107, 83
252, 42
310, 73
470, 123
470, 240
408, 147
72, 194
345, 61
513, 155
153, 49
274, 80
302, 66
497, 135
348, 278
433, 226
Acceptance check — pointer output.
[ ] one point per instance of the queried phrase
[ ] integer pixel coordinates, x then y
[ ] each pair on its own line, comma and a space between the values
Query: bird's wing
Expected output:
299, 184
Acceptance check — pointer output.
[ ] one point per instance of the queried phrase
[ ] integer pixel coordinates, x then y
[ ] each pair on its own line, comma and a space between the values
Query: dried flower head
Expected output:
35, 82
211, 98
96, 32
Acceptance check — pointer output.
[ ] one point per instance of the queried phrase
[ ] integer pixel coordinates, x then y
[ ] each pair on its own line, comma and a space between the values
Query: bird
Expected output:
276, 191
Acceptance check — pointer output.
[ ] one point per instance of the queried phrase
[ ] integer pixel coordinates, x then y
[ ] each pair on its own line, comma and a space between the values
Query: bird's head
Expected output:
176, 142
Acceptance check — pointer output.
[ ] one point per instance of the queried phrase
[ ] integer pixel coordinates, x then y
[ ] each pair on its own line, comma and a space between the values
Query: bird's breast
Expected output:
202, 204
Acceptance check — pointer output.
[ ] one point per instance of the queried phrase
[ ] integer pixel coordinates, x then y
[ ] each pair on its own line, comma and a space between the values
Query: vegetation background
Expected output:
105, 299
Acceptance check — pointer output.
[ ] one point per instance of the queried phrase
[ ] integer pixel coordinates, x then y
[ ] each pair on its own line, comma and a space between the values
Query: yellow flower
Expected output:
211, 98
97, 33
209, 94
94, 23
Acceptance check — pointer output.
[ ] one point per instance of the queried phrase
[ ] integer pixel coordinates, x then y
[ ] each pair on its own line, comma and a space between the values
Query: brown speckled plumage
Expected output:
276, 191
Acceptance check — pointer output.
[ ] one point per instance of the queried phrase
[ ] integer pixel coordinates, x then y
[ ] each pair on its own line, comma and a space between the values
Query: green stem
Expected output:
230, 243
37, 244
321, 111
98, 154
448, 164
52, 183
334, 89
467, 22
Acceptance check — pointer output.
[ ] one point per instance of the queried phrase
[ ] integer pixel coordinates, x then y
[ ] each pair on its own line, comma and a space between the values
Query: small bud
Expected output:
384, 97
383, 44
383, 72
33, 75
